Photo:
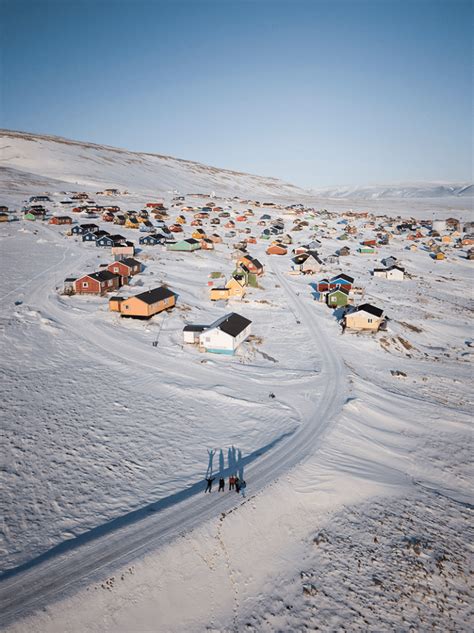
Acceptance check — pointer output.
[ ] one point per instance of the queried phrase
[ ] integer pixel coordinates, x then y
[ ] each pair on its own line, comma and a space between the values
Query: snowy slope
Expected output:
38, 159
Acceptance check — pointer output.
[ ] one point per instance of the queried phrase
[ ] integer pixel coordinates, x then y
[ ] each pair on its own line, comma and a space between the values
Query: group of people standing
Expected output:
235, 483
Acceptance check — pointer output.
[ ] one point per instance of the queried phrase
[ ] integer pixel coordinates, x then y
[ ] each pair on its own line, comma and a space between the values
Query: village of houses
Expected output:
328, 250
159, 327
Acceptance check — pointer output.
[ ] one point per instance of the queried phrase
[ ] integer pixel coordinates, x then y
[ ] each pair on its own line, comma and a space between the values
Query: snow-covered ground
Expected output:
358, 499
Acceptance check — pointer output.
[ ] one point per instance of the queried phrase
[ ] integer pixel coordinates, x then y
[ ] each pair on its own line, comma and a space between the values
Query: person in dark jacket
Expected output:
237, 485
209, 484
243, 486
221, 484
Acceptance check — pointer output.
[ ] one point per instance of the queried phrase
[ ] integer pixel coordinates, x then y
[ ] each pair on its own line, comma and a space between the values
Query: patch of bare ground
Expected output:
410, 326
391, 565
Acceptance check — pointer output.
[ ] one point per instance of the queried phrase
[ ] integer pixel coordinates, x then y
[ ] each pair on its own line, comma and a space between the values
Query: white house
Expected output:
396, 273
225, 335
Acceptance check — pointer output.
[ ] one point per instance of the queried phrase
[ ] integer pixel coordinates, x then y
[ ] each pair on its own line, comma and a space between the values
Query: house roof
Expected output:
195, 328
367, 307
129, 261
232, 324
314, 255
343, 290
155, 295
102, 275
347, 278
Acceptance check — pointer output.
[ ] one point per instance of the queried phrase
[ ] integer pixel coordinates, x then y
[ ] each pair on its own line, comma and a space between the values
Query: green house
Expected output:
337, 298
367, 250
30, 216
185, 245
250, 278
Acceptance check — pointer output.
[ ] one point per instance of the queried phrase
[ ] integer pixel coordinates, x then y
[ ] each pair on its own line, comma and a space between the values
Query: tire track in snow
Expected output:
56, 576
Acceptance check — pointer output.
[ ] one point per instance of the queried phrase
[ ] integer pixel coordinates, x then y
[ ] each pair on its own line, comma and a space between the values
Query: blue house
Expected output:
151, 240
91, 236
105, 241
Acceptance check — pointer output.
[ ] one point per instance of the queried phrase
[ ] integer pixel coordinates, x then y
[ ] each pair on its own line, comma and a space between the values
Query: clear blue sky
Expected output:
314, 92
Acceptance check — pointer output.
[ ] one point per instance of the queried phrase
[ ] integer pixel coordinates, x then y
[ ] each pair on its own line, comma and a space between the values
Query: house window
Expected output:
85, 284
116, 269
109, 283
369, 320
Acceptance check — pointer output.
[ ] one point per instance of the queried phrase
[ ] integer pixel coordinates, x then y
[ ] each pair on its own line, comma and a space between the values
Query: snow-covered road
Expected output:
79, 561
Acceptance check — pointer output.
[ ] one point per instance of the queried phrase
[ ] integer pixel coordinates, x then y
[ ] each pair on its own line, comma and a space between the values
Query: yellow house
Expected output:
440, 255
446, 239
366, 317
236, 286
146, 304
233, 288
199, 234
219, 294
180, 219
131, 223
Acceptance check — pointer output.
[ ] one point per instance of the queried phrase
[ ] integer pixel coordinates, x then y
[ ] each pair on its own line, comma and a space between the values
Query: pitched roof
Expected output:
232, 324
102, 275
155, 295
129, 261
347, 278
195, 328
367, 307
343, 290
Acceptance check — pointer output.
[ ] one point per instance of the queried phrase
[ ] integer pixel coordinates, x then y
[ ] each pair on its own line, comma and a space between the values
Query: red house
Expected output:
60, 219
97, 283
155, 205
125, 268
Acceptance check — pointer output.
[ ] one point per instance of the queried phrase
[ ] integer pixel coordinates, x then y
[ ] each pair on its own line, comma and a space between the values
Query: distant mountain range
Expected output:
401, 190
34, 162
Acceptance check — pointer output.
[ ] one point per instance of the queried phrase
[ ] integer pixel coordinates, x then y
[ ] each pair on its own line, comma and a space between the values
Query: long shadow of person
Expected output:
240, 465
211, 452
231, 461
221, 462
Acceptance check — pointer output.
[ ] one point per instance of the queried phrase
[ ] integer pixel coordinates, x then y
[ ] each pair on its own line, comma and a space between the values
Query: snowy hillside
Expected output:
34, 160
400, 190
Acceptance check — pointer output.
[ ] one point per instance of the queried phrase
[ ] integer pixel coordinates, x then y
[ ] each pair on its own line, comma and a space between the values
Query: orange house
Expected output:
276, 249
146, 304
